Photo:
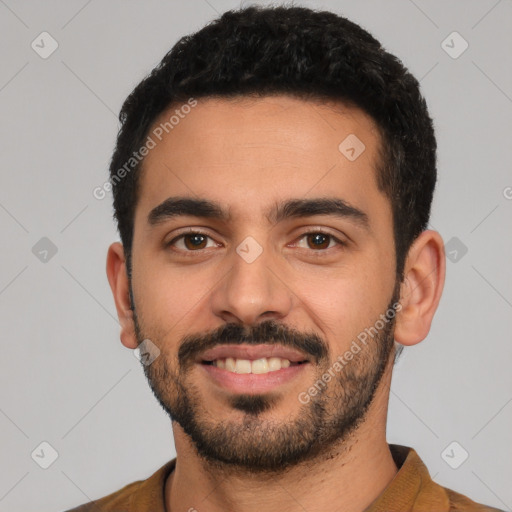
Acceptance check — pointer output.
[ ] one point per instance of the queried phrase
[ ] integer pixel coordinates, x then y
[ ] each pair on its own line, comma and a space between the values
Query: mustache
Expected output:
268, 332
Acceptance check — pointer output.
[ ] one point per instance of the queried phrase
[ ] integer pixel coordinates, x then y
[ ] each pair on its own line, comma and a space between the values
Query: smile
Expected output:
256, 366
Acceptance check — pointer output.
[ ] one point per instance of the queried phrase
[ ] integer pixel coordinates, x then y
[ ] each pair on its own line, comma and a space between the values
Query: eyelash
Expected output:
312, 232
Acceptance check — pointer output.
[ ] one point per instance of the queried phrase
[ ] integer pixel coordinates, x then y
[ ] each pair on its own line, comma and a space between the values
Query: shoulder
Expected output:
459, 502
140, 496
118, 500
414, 487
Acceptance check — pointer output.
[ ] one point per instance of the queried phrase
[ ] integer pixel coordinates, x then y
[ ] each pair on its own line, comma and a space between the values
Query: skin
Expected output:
230, 151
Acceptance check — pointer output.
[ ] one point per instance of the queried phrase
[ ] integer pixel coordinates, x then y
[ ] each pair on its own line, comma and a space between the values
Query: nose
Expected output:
252, 291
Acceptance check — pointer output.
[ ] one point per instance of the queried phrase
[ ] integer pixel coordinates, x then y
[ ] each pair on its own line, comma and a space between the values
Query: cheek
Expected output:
343, 302
337, 303
165, 294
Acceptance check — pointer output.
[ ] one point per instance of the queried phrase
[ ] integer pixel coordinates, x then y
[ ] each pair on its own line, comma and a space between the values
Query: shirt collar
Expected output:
411, 489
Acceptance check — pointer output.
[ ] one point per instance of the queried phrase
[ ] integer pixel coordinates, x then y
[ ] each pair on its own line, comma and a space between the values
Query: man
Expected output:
272, 184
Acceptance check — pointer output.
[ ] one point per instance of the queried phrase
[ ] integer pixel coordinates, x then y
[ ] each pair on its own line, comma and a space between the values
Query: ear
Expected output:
421, 290
118, 279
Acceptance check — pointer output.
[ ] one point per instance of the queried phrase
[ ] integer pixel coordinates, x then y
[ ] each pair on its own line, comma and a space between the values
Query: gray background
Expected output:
65, 377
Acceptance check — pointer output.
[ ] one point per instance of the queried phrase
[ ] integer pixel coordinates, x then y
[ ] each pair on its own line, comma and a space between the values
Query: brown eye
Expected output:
192, 241
318, 240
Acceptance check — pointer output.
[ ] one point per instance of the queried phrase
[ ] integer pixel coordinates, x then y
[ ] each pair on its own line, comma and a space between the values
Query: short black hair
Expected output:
307, 54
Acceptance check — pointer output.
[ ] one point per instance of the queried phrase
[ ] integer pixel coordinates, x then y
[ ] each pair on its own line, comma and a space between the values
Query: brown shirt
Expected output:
411, 489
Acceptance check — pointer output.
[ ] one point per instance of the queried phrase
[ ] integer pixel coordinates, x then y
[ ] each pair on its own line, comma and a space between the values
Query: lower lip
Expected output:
251, 382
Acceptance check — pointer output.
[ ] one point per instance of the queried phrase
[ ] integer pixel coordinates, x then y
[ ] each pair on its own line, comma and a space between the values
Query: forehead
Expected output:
246, 152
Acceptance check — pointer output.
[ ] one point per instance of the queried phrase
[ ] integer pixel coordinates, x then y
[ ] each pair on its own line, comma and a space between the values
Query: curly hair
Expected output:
307, 54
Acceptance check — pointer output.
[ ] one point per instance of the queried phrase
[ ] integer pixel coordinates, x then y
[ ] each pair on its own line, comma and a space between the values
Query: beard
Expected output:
259, 444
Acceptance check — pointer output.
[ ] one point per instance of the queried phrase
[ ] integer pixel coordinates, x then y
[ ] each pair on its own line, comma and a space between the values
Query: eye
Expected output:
191, 241
194, 241
320, 240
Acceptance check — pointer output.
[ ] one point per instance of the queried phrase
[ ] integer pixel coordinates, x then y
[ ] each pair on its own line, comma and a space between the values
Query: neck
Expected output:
349, 478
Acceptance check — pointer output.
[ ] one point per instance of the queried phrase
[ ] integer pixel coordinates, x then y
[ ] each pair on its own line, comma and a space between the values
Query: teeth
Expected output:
258, 366
274, 363
243, 366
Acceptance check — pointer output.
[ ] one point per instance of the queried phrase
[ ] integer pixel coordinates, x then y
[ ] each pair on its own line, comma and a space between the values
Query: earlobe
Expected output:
421, 289
119, 284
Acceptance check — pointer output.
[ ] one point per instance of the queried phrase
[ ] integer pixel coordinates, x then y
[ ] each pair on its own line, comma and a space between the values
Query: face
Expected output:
261, 253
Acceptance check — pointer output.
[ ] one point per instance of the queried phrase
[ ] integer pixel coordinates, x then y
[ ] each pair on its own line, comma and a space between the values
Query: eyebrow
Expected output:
174, 207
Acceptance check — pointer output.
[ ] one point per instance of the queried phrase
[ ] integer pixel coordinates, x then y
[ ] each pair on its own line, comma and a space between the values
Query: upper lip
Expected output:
252, 352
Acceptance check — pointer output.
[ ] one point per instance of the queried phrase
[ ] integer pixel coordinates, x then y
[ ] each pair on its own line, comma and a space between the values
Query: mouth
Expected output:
256, 366
252, 368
